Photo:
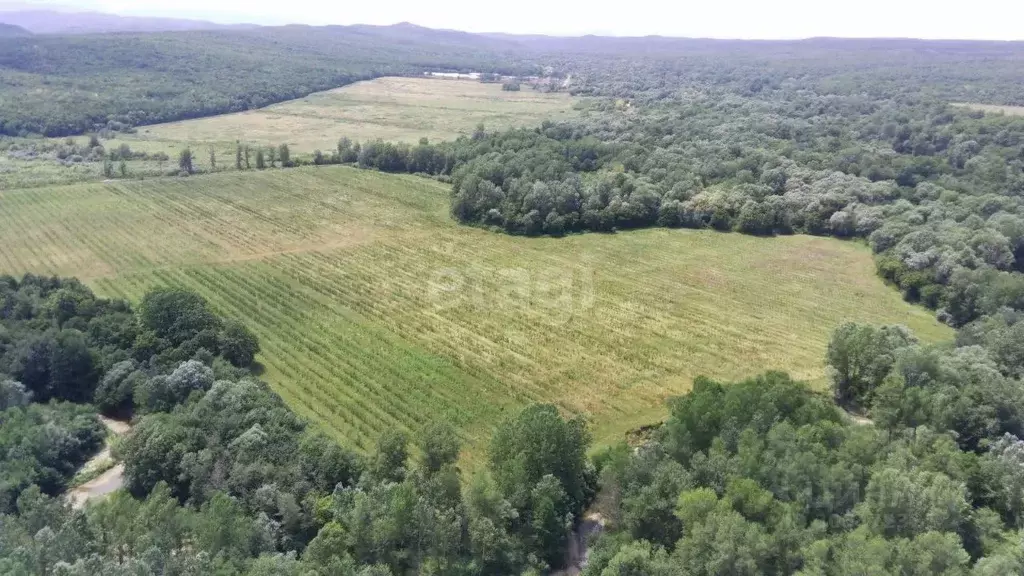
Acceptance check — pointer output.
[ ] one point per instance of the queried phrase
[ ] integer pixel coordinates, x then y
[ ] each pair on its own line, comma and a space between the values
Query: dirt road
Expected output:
576, 561
109, 480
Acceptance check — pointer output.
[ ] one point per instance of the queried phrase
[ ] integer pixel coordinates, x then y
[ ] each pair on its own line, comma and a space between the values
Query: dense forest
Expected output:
61, 348
765, 477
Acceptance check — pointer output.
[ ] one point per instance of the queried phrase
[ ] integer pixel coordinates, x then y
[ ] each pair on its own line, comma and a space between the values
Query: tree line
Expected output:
947, 229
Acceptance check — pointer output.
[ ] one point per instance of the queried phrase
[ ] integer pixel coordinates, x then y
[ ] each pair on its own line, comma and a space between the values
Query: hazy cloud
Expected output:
982, 19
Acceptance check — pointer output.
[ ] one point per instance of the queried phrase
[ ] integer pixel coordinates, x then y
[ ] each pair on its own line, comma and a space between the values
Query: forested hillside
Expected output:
13, 31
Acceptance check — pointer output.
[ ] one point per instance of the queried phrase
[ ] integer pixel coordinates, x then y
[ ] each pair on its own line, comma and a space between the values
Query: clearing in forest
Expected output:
391, 108
375, 310
395, 109
994, 109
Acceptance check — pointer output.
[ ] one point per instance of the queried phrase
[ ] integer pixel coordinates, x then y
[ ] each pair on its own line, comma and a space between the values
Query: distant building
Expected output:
454, 75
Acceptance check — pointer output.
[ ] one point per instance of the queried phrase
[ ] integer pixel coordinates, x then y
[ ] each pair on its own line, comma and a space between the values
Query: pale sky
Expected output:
779, 19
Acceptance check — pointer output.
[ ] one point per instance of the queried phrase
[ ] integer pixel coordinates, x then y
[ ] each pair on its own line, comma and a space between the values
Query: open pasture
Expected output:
375, 309
395, 109
390, 108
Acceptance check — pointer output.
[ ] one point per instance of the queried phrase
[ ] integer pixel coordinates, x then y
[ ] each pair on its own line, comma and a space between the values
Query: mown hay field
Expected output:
376, 310
391, 108
397, 109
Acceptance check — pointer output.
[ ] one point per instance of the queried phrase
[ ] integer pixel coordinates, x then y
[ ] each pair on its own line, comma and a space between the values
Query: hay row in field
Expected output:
375, 310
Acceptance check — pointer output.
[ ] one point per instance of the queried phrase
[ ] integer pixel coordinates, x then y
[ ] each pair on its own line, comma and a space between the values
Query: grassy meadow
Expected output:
375, 309
395, 109
391, 108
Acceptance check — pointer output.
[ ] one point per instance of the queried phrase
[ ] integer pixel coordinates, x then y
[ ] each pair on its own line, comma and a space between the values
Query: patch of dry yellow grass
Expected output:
396, 109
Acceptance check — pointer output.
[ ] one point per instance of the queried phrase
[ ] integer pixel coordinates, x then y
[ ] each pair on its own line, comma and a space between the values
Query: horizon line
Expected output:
216, 21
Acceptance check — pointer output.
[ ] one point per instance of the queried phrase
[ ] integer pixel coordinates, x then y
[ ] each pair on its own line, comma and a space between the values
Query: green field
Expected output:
375, 309
395, 109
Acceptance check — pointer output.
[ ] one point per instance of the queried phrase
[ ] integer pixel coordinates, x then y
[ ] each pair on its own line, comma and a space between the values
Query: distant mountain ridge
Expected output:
61, 22
12, 31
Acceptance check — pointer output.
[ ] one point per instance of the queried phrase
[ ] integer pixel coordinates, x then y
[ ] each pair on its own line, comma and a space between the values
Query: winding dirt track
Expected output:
107, 482
578, 552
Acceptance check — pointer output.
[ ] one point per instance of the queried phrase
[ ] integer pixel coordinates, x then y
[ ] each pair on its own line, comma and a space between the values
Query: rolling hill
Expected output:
67, 22
12, 31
